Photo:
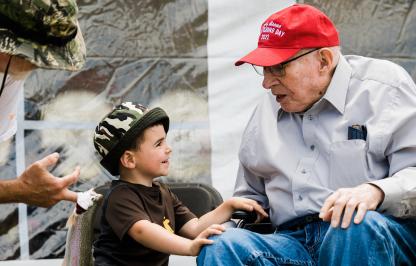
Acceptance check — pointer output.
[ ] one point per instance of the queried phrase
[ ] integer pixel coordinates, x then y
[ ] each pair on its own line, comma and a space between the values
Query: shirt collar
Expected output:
338, 87
337, 90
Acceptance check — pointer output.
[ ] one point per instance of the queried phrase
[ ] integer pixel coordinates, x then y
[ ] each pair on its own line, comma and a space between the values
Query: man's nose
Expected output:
269, 80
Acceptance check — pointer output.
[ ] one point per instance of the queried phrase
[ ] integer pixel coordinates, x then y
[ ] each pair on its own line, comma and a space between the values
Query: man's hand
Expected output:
37, 186
345, 201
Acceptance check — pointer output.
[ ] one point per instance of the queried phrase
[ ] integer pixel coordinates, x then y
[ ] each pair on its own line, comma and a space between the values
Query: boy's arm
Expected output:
156, 237
220, 215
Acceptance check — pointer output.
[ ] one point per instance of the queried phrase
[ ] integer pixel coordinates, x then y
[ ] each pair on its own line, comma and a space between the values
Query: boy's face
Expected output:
152, 154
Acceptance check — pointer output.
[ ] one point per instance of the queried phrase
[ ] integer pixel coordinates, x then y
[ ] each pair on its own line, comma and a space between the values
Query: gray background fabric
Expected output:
380, 29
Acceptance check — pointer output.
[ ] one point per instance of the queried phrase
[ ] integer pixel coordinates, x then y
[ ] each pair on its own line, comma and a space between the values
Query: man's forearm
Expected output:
9, 191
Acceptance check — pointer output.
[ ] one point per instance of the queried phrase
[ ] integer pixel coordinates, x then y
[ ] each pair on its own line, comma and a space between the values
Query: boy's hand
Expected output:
202, 238
249, 205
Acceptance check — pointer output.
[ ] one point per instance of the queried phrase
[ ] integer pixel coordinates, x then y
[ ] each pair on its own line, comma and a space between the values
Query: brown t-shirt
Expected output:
127, 204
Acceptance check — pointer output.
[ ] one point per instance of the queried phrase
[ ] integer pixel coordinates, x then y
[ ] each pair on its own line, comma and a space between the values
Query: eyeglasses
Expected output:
279, 69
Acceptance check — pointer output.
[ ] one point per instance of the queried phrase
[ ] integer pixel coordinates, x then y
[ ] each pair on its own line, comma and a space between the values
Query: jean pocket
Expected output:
348, 166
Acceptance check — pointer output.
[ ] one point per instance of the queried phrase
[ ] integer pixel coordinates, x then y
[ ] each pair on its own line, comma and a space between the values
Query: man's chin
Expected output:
288, 108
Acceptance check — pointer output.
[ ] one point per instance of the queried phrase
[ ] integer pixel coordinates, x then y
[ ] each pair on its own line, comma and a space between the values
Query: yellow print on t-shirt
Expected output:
166, 225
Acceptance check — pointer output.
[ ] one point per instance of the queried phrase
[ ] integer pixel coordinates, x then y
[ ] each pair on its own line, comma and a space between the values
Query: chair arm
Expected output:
246, 221
247, 217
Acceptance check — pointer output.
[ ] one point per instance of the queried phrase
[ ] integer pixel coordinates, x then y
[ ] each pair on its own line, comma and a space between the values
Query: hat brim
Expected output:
264, 56
70, 56
111, 160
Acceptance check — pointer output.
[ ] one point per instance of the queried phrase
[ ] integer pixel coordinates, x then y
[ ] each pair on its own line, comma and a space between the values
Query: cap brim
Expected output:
70, 56
263, 56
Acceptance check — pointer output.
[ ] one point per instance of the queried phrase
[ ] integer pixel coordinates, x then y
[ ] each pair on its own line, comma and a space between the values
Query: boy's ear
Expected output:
127, 160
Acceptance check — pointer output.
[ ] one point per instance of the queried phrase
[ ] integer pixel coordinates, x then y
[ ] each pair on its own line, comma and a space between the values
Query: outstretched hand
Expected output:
346, 201
37, 186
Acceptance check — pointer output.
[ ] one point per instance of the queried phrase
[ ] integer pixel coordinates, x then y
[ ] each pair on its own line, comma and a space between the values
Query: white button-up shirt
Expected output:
292, 162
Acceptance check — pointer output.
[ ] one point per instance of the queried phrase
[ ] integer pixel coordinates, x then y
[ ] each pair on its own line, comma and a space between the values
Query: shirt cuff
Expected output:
393, 192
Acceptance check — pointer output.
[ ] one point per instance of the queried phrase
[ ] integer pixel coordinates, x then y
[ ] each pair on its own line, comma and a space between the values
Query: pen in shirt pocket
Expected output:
357, 132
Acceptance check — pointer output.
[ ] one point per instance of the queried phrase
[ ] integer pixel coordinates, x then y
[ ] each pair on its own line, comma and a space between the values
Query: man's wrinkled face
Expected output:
301, 85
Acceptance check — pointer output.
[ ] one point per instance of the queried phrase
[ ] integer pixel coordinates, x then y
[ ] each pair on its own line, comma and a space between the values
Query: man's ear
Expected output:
326, 60
127, 160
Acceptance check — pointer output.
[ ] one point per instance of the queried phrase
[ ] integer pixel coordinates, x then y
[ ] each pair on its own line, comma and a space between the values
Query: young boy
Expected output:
143, 221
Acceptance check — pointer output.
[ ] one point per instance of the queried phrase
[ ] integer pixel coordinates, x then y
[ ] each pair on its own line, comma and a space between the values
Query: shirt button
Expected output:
310, 117
300, 197
312, 147
303, 171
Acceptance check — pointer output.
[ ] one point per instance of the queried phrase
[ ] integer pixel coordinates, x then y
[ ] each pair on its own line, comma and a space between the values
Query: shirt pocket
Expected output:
348, 166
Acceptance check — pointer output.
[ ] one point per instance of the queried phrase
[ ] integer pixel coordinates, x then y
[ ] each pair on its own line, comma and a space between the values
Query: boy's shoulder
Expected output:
118, 188
161, 185
118, 184
164, 188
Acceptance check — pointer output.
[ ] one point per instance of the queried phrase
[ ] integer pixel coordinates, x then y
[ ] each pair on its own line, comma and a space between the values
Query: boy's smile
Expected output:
151, 158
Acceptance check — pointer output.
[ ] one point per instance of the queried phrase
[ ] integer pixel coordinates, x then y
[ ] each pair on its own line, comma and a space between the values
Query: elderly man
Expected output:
330, 149
45, 34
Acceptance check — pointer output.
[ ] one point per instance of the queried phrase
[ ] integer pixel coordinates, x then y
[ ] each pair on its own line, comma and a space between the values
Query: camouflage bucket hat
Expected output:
117, 131
45, 32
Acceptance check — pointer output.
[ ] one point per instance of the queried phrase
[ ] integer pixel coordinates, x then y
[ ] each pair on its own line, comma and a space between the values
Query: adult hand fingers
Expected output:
328, 215
361, 211
339, 206
349, 212
65, 182
49, 160
71, 178
69, 195
327, 206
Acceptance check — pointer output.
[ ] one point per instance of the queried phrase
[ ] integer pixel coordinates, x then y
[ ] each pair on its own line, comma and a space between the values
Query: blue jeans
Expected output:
377, 240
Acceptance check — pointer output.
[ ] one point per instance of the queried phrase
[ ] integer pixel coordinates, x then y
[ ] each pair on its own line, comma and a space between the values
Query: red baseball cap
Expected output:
286, 32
